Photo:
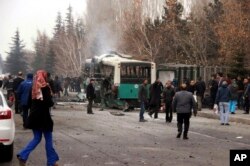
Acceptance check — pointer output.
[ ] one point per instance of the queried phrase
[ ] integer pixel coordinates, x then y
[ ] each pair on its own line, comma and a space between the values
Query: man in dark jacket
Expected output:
16, 82
184, 103
240, 92
90, 96
143, 98
246, 96
222, 99
155, 98
213, 86
200, 88
24, 95
168, 94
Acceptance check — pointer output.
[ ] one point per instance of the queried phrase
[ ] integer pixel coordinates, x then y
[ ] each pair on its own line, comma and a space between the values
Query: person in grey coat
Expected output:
183, 104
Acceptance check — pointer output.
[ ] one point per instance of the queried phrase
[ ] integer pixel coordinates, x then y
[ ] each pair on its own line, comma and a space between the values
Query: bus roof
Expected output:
114, 60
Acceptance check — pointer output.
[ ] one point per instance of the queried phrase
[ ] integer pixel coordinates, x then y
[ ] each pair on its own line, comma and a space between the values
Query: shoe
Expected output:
21, 161
142, 120
56, 164
90, 113
222, 124
178, 135
185, 137
227, 124
232, 113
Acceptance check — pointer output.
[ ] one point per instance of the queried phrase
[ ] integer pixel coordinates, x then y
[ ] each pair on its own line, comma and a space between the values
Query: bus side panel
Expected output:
128, 91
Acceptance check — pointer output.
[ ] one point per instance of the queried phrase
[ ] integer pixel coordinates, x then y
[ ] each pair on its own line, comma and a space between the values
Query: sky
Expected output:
29, 16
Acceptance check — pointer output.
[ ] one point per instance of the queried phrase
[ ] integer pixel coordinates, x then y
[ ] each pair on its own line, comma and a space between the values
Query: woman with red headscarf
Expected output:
40, 120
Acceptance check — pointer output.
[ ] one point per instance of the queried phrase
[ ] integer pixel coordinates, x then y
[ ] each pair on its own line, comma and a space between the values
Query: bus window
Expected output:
136, 73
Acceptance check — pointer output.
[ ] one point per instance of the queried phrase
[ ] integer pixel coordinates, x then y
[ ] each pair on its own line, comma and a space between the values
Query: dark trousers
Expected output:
183, 118
25, 110
240, 100
17, 104
247, 105
154, 110
213, 97
169, 111
89, 108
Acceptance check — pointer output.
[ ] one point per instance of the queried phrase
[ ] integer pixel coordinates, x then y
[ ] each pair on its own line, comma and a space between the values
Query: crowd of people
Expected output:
225, 94
33, 97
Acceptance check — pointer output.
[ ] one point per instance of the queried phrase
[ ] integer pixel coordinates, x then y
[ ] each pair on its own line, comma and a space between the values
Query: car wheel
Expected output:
7, 152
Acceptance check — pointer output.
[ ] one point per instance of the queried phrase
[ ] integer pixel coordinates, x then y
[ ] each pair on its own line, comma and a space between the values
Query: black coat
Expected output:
16, 82
168, 94
90, 92
40, 118
155, 94
200, 88
213, 88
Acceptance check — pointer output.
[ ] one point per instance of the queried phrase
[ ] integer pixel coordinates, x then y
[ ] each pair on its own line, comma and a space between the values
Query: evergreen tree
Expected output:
41, 51
16, 61
58, 29
69, 22
50, 60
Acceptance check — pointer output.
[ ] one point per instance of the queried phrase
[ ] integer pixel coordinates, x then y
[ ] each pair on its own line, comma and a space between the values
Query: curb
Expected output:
231, 118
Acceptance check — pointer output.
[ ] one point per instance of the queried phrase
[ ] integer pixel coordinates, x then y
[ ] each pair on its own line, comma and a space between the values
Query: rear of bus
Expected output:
132, 75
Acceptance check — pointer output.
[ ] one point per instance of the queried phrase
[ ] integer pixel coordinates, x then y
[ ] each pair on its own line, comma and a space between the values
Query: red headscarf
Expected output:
38, 83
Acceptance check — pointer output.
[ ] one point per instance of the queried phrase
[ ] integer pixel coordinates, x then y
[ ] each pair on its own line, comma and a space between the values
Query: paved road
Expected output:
105, 139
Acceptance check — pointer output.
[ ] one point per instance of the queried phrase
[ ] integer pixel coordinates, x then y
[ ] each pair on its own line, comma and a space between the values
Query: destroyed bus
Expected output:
118, 78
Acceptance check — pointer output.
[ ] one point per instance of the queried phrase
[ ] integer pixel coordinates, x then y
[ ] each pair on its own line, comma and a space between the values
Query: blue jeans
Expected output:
52, 156
232, 105
142, 110
224, 112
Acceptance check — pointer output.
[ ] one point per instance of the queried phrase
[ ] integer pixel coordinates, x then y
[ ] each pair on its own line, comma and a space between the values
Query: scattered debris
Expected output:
117, 113
239, 137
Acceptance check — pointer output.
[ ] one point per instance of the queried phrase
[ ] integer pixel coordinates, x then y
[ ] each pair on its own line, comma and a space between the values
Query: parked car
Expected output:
7, 130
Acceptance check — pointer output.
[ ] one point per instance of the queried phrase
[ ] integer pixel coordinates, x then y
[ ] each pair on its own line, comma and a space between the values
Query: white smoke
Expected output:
104, 32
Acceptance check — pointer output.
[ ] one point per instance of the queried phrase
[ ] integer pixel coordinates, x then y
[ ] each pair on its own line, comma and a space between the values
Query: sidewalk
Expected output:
238, 117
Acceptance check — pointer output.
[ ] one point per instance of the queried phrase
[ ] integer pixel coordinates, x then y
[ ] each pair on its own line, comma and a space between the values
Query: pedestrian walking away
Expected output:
246, 96
222, 99
90, 96
40, 121
240, 92
200, 88
24, 95
143, 99
183, 104
213, 86
16, 82
155, 98
168, 95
